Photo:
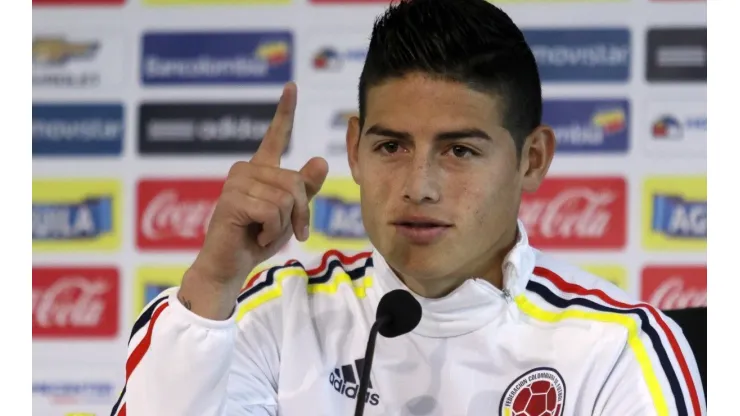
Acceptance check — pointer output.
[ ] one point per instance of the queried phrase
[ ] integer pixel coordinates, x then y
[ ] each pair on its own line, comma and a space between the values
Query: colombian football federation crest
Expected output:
538, 392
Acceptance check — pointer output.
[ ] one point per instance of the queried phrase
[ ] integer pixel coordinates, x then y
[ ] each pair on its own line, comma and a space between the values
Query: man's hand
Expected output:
260, 208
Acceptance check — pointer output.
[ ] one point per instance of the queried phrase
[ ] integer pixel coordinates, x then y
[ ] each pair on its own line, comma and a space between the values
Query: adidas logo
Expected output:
346, 381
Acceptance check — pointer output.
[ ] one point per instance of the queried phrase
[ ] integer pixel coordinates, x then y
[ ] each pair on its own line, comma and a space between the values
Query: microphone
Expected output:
398, 313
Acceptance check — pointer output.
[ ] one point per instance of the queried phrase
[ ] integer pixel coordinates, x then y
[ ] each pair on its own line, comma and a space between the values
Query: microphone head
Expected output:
401, 312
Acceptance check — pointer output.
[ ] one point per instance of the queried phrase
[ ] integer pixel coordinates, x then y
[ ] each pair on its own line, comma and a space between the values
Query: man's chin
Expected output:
418, 264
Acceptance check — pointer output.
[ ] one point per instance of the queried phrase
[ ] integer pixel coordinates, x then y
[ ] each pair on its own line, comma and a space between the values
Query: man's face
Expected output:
439, 177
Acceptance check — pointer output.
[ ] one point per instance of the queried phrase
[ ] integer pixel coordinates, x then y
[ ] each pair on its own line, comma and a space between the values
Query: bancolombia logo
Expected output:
589, 126
216, 58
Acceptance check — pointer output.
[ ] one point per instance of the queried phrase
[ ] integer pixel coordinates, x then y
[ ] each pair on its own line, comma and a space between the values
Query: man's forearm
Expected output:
178, 365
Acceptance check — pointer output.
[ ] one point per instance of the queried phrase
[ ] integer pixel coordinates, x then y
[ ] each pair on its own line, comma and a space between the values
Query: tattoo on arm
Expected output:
185, 302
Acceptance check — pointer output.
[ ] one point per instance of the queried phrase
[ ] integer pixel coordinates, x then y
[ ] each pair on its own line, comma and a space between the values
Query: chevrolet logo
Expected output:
58, 51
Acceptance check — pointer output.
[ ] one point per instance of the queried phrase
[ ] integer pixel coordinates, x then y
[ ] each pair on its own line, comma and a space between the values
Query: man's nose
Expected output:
421, 181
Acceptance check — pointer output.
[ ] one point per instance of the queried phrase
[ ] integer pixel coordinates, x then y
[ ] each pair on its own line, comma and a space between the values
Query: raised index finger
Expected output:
278, 134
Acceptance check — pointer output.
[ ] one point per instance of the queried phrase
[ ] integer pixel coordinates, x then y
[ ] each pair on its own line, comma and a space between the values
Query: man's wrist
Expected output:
207, 297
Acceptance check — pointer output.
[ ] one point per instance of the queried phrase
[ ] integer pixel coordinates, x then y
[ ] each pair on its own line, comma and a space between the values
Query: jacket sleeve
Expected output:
180, 364
656, 373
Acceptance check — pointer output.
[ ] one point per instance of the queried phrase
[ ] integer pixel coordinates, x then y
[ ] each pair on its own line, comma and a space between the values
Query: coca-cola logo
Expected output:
675, 287
576, 213
673, 294
70, 302
168, 215
174, 214
75, 302
579, 212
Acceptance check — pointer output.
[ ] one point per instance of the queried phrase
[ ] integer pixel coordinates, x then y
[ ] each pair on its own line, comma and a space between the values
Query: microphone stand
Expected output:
369, 352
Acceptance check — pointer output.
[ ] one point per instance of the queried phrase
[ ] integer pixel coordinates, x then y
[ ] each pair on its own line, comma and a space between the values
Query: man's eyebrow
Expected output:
468, 133
471, 133
379, 130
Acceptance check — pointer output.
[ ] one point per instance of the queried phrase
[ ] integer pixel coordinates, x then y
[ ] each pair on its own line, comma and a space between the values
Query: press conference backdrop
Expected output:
141, 106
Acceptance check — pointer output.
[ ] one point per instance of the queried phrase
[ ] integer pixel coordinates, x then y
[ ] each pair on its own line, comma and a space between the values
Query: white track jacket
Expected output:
556, 341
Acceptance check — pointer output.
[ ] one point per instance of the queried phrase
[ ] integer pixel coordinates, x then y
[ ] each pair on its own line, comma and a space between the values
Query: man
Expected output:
448, 137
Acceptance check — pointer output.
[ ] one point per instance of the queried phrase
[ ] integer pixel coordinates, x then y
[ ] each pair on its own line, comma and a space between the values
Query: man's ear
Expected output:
353, 144
537, 154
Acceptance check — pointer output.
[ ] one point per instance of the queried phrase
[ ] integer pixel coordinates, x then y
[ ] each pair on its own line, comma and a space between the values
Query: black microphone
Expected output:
398, 313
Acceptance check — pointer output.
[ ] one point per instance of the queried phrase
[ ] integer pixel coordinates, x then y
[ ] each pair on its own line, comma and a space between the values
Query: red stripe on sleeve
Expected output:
581, 291
138, 354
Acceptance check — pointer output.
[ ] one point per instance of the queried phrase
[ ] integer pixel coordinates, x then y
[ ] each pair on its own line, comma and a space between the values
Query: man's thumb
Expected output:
314, 172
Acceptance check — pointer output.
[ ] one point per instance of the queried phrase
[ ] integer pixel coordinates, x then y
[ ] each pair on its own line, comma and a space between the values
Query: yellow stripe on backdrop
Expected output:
614, 273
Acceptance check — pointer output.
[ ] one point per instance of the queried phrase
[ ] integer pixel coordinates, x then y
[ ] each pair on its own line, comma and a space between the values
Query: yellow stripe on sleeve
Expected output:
275, 290
633, 340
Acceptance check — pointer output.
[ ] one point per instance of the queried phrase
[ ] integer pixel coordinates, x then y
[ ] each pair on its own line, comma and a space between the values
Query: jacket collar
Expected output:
475, 303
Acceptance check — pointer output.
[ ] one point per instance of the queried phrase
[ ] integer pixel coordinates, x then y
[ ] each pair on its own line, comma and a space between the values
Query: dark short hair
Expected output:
468, 41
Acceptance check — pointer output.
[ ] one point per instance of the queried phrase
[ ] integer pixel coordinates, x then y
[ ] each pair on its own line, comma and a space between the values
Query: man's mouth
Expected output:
421, 224
421, 231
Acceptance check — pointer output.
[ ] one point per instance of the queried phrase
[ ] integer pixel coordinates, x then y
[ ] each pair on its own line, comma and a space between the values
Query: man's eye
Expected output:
462, 151
390, 147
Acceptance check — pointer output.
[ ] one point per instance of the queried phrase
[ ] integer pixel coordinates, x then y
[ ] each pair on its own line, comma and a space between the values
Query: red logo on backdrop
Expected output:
75, 302
60, 3
174, 214
674, 287
577, 213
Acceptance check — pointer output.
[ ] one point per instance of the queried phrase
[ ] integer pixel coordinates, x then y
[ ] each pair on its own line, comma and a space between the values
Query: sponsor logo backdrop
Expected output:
141, 106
